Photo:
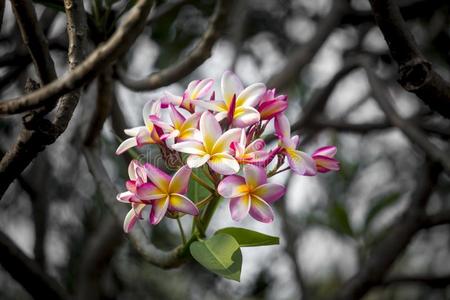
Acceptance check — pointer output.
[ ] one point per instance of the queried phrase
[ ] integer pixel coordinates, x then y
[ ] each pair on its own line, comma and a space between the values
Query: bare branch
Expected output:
416, 73
104, 56
437, 282
27, 272
440, 218
195, 58
416, 135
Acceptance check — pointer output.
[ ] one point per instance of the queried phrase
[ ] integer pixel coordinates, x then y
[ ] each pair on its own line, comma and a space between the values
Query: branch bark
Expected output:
416, 73
195, 58
104, 56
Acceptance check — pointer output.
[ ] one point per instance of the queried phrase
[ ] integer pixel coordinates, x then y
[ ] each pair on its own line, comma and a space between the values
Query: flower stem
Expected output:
180, 226
209, 212
203, 183
277, 172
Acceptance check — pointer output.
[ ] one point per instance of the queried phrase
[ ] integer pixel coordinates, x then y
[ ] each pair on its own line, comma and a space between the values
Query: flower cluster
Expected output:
220, 136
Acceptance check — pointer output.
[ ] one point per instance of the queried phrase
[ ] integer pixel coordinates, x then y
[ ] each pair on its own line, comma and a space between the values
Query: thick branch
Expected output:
195, 58
437, 282
384, 100
440, 218
416, 73
104, 56
27, 272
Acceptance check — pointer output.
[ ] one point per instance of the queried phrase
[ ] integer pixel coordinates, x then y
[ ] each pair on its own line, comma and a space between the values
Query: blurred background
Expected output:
331, 226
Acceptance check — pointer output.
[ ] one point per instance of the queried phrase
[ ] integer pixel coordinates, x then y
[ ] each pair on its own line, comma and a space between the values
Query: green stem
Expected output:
277, 172
180, 226
209, 212
203, 183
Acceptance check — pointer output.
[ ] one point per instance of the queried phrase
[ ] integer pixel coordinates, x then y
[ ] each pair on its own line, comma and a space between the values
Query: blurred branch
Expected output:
437, 282
96, 62
440, 218
304, 55
195, 58
27, 272
396, 240
2, 11
384, 100
165, 9
416, 73
34, 39
105, 87
149, 252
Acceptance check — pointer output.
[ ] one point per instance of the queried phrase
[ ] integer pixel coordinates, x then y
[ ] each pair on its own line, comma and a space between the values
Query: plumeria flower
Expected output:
251, 194
299, 162
142, 135
238, 104
181, 129
197, 89
213, 148
252, 153
271, 105
324, 159
166, 193
138, 177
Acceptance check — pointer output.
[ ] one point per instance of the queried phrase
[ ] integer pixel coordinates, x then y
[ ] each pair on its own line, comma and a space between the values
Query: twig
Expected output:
96, 62
195, 58
416, 73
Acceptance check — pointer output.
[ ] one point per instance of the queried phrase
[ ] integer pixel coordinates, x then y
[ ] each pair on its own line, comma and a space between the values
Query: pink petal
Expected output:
232, 186
160, 123
144, 137
231, 109
125, 145
170, 98
132, 169
210, 130
231, 85
150, 108
125, 197
261, 211
133, 131
191, 122
210, 105
329, 151
271, 108
222, 144
251, 95
270, 192
195, 161
158, 177
190, 147
177, 118
224, 164
202, 89
131, 218
245, 116
149, 191
254, 176
256, 145
180, 181
301, 163
325, 164
182, 204
159, 209
282, 126
239, 207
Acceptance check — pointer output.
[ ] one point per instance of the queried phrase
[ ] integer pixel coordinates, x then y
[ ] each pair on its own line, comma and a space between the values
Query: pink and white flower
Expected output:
324, 159
138, 177
181, 129
299, 161
143, 135
238, 104
271, 105
251, 194
252, 153
196, 90
213, 148
166, 193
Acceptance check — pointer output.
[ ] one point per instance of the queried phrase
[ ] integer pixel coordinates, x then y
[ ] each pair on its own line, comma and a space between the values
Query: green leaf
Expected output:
378, 206
196, 192
338, 219
249, 238
219, 254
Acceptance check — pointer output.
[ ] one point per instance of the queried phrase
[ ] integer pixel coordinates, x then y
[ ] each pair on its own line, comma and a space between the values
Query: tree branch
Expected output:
104, 56
195, 58
27, 272
416, 73
397, 239
440, 218
437, 282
